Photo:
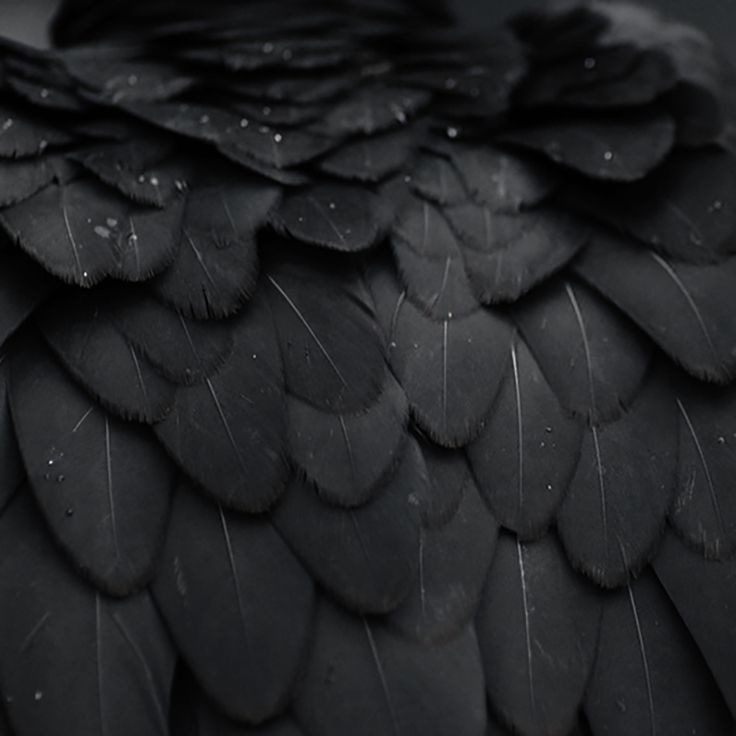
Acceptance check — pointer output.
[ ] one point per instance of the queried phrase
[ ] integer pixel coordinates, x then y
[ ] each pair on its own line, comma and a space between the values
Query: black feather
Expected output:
347, 456
238, 603
233, 134
448, 477
704, 512
603, 362
113, 76
453, 564
228, 433
23, 288
697, 96
438, 363
364, 680
684, 210
103, 485
370, 159
687, 310
598, 78
198, 717
614, 511
525, 456
506, 255
378, 542
501, 180
82, 232
340, 217
374, 108
102, 361
436, 179
538, 630
12, 472
332, 351
649, 677
185, 351
23, 178
71, 659
136, 168
430, 262
705, 597
216, 267
26, 134
622, 148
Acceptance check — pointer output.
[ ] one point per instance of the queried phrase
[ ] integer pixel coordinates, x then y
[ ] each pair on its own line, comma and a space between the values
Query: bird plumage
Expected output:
360, 376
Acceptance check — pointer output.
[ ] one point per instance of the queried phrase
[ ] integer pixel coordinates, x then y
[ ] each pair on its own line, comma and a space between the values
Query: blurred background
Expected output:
27, 20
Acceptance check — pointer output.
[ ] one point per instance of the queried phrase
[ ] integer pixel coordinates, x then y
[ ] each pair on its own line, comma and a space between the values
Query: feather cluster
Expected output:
360, 377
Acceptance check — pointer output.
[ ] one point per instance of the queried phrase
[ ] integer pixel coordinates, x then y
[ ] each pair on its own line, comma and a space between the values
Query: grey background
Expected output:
27, 19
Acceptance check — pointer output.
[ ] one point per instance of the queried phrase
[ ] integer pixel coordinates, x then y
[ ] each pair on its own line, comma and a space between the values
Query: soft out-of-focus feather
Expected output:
684, 210
331, 348
302, 53
649, 677
538, 630
617, 149
378, 542
185, 351
216, 267
228, 432
103, 362
238, 604
687, 310
642, 84
364, 680
344, 217
103, 485
704, 593
348, 455
627, 56
479, 96
25, 133
604, 360
696, 97
453, 563
107, 75
103, 235
436, 179
555, 33
600, 78
525, 456
618, 499
373, 109
47, 89
72, 659
370, 159
704, 512
438, 362
505, 255
430, 262
500, 180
